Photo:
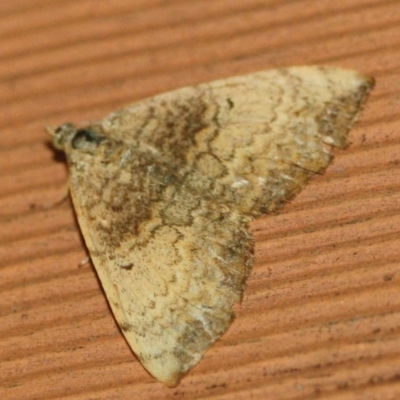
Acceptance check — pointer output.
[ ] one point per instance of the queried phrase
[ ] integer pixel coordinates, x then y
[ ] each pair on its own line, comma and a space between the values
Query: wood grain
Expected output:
321, 313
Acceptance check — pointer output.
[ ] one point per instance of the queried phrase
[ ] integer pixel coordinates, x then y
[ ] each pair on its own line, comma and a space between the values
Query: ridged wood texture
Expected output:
321, 313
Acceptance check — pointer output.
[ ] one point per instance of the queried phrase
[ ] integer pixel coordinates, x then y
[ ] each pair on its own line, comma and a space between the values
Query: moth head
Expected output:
61, 135
69, 136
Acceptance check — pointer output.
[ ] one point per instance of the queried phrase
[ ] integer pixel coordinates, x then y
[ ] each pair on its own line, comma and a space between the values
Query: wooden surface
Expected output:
321, 313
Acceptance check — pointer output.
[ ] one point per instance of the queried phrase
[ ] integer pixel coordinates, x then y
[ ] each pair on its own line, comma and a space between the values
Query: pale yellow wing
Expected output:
263, 133
164, 190
171, 260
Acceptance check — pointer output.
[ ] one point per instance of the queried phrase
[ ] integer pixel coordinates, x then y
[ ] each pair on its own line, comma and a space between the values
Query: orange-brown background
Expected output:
321, 313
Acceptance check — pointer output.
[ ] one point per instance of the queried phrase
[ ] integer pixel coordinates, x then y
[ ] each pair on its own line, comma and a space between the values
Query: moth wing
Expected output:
172, 279
165, 217
264, 134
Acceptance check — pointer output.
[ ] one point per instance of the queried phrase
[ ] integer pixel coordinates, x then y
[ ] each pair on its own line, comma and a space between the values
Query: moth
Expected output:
165, 189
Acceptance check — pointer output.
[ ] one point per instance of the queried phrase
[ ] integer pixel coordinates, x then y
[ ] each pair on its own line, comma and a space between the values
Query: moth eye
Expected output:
85, 139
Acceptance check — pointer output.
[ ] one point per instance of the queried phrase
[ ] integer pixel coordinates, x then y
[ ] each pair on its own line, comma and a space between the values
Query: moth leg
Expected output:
48, 206
84, 262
